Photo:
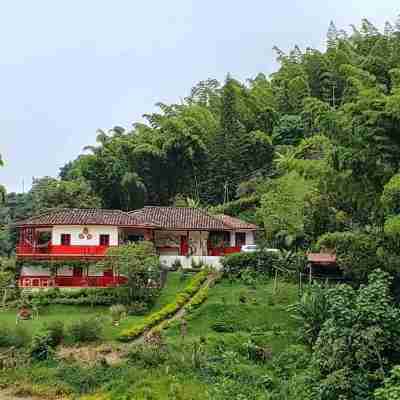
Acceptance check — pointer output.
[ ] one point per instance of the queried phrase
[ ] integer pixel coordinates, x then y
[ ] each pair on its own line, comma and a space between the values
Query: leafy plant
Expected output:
42, 346
55, 330
117, 312
311, 311
85, 330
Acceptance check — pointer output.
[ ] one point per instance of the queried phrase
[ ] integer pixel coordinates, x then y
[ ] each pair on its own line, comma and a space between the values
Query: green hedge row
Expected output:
167, 311
88, 296
198, 299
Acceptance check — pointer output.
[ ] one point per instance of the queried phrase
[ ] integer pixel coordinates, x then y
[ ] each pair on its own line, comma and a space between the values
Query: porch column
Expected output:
148, 234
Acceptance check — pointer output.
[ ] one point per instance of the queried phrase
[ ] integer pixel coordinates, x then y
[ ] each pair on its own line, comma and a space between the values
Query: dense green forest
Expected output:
312, 154
311, 147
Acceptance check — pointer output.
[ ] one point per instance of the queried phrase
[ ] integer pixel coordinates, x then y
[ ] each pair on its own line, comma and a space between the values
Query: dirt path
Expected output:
113, 354
9, 395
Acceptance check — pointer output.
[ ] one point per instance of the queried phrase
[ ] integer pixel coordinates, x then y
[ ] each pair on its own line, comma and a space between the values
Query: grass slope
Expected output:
68, 314
204, 365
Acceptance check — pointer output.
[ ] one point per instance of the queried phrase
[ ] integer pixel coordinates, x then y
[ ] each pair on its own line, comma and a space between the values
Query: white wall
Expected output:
75, 231
186, 262
250, 237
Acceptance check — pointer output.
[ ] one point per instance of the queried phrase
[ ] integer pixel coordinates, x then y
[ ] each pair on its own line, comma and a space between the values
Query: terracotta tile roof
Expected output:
90, 216
321, 258
147, 217
235, 223
179, 218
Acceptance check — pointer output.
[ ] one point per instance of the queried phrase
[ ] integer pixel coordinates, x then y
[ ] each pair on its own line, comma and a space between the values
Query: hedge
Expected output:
167, 311
258, 261
198, 299
87, 296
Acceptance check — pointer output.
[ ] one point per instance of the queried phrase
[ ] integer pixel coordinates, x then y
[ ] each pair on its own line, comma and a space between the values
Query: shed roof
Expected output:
321, 258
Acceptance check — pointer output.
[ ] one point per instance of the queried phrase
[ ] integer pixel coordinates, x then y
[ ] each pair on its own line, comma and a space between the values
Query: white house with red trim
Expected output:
67, 235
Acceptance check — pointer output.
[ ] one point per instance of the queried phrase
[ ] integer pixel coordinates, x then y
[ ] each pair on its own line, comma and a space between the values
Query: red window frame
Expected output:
66, 239
104, 239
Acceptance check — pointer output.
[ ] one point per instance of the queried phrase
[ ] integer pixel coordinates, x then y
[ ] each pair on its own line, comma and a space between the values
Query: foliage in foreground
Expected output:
359, 341
140, 264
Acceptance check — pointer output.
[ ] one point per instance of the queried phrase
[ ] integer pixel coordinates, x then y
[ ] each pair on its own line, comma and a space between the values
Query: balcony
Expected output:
61, 251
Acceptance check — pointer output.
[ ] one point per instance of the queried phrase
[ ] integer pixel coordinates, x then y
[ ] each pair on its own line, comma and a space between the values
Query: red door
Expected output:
184, 246
78, 272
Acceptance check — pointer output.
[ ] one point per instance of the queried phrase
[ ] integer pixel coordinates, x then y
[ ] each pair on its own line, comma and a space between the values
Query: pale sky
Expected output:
70, 67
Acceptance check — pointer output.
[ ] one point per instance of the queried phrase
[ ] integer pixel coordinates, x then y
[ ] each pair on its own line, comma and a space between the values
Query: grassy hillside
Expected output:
236, 346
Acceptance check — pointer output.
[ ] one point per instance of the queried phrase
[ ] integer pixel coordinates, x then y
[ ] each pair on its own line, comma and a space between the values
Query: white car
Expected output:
249, 248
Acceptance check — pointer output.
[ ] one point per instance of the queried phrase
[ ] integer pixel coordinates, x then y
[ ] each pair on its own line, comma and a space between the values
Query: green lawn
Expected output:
68, 314
261, 309
257, 315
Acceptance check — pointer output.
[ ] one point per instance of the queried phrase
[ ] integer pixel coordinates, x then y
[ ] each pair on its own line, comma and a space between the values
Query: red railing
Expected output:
220, 251
88, 281
71, 281
62, 250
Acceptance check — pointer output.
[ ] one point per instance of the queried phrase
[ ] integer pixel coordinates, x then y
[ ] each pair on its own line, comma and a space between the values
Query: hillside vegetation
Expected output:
311, 153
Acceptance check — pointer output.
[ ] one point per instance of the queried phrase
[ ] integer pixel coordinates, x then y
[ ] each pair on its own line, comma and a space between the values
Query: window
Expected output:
104, 240
240, 239
227, 239
135, 238
66, 239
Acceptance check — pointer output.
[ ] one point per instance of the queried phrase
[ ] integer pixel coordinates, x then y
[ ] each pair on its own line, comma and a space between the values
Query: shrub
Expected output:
311, 312
42, 346
55, 330
198, 299
16, 337
359, 340
176, 265
196, 266
148, 355
391, 386
223, 326
85, 330
294, 358
390, 198
356, 252
137, 308
235, 265
117, 312
140, 264
238, 207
